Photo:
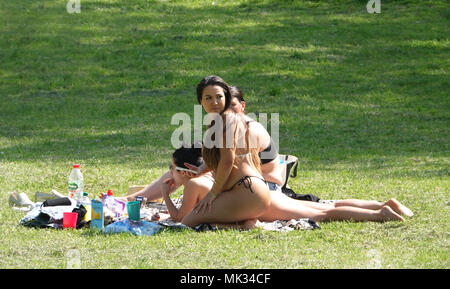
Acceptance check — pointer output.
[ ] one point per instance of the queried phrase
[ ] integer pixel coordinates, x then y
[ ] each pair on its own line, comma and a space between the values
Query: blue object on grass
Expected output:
139, 228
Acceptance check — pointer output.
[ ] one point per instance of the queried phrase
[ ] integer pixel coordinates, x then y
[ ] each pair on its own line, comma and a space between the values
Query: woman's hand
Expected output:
205, 204
168, 186
200, 170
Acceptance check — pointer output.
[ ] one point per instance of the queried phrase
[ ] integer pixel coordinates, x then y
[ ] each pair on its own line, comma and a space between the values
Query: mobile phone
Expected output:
186, 170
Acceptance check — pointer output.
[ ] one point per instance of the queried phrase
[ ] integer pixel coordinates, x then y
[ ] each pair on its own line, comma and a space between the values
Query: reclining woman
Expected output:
280, 208
194, 188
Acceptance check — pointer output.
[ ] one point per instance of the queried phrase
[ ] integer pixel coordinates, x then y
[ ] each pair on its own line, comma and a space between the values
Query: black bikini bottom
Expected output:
247, 181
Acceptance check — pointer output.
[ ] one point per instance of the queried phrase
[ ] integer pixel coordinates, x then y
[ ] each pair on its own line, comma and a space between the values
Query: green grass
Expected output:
363, 102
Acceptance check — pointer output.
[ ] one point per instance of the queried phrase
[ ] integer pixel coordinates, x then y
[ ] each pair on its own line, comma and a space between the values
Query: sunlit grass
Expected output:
362, 101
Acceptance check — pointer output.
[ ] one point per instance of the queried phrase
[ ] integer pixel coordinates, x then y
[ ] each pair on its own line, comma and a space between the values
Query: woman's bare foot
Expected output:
399, 208
250, 224
390, 215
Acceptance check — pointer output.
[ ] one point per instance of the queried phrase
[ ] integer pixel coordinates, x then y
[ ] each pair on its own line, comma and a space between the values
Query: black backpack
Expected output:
289, 166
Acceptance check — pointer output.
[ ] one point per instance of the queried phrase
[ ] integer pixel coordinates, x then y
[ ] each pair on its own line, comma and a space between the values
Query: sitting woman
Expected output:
239, 192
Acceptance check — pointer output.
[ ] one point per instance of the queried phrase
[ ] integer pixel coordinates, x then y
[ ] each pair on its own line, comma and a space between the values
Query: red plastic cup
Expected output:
70, 219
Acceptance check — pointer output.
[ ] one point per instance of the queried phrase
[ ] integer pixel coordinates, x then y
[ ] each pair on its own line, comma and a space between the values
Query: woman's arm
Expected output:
221, 176
224, 167
223, 171
190, 198
151, 191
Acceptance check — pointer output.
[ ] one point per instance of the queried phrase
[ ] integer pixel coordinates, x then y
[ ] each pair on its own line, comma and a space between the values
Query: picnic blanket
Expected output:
139, 228
279, 226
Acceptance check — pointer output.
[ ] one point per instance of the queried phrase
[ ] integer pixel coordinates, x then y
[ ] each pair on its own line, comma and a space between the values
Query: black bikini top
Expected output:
269, 154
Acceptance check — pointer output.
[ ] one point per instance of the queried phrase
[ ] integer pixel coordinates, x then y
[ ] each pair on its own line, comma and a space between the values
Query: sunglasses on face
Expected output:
182, 169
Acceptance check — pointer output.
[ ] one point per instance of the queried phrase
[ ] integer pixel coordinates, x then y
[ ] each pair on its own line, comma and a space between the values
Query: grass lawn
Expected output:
362, 100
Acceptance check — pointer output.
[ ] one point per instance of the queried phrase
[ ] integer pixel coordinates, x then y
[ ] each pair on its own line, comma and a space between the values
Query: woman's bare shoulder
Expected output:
201, 182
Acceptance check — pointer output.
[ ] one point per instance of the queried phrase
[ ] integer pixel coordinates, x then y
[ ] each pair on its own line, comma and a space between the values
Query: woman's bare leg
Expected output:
281, 209
285, 209
399, 208
358, 215
371, 205
363, 204
230, 207
375, 205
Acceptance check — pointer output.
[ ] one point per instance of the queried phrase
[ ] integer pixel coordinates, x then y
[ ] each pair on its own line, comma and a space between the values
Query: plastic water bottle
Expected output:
106, 196
76, 183
86, 202
116, 206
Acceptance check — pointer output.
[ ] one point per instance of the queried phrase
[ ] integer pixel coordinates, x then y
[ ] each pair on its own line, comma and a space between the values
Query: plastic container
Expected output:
97, 215
105, 197
70, 220
134, 210
86, 202
114, 205
76, 185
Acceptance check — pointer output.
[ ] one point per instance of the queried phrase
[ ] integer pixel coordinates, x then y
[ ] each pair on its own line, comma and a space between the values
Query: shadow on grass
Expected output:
345, 85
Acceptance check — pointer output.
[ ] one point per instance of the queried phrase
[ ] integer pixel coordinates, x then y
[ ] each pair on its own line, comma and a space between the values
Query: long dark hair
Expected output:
236, 92
241, 131
191, 155
214, 80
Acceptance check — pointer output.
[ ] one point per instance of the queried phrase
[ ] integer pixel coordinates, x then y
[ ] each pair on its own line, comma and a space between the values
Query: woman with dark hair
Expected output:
239, 192
218, 91
194, 189
212, 94
237, 104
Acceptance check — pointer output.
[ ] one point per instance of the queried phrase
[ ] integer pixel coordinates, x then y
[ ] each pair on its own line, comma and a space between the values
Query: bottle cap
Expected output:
110, 193
85, 194
76, 166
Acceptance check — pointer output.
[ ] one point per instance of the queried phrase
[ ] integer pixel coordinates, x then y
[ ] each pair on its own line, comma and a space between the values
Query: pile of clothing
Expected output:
50, 213
48, 210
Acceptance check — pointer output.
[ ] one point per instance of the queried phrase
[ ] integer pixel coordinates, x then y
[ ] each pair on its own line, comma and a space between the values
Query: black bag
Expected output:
81, 211
57, 202
289, 166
